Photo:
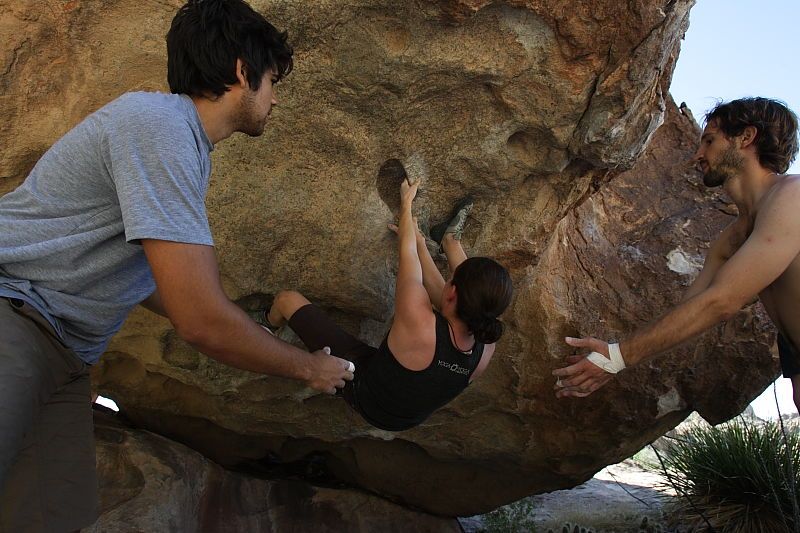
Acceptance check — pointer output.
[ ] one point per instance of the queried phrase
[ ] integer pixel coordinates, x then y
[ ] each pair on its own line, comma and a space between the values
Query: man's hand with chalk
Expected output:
329, 373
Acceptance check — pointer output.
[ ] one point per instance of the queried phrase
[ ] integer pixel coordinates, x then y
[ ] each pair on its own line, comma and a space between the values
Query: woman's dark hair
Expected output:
776, 125
208, 36
484, 291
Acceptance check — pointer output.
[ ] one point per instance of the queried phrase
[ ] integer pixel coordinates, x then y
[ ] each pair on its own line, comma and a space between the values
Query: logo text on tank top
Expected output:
452, 367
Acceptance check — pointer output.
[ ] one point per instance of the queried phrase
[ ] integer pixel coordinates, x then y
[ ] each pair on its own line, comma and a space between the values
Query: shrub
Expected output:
516, 517
738, 477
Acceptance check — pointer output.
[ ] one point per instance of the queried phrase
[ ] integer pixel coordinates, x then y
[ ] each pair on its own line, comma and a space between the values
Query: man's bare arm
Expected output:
764, 256
192, 297
153, 303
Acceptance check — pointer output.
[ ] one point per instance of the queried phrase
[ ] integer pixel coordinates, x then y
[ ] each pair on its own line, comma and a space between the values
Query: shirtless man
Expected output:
746, 147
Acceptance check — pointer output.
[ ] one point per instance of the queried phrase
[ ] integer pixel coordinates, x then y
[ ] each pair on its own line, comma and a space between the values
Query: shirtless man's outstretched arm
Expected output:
738, 268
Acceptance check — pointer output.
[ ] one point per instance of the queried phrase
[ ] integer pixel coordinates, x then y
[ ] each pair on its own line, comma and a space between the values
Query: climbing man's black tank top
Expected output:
392, 397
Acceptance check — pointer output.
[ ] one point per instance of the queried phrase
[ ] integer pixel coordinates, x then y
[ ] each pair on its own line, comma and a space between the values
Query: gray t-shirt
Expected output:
138, 168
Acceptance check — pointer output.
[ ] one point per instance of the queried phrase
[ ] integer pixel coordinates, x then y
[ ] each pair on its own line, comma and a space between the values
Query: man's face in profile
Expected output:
717, 157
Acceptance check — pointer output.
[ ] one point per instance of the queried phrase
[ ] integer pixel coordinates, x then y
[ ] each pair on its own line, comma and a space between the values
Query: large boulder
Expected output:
539, 109
149, 483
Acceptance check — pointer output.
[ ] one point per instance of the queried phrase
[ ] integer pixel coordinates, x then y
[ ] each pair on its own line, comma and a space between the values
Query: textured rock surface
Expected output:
534, 107
149, 483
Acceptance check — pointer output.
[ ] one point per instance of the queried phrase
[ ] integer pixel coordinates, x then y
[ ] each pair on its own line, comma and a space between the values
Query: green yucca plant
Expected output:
738, 477
515, 517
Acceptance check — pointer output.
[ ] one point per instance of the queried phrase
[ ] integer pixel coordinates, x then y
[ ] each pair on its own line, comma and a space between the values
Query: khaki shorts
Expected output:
48, 479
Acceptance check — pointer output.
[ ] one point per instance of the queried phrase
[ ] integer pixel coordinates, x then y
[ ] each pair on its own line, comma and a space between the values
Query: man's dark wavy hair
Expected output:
776, 124
208, 36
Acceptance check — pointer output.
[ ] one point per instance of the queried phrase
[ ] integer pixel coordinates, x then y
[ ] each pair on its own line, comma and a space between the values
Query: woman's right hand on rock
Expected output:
408, 191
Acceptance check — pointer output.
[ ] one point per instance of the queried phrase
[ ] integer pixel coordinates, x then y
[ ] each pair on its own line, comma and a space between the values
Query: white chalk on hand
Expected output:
351, 367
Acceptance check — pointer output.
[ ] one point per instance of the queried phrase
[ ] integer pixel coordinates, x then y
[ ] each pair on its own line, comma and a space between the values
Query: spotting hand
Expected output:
582, 377
329, 372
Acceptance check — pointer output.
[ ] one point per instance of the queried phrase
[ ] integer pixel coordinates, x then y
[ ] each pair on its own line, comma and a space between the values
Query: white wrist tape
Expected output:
613, 365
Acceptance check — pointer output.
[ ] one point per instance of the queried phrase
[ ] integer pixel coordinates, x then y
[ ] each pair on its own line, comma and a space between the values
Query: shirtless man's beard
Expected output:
729, 164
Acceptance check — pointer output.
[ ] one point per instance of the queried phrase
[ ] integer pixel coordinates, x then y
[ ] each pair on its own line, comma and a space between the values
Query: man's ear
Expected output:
241, 74
748, 136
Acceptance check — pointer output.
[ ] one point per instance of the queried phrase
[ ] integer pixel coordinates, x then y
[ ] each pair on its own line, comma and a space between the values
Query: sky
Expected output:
737, 48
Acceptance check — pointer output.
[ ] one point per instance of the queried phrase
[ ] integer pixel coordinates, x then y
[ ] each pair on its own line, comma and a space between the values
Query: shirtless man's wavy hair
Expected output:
776, 141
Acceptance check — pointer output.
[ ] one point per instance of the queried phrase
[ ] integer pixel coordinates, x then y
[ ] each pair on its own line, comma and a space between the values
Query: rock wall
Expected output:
149, 483
535, 107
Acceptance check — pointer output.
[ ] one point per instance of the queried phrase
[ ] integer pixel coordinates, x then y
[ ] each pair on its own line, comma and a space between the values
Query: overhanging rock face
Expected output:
536, 108
149, 483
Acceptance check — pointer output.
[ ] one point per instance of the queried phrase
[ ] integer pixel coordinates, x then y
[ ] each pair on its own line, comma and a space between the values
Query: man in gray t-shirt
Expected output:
113, 216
